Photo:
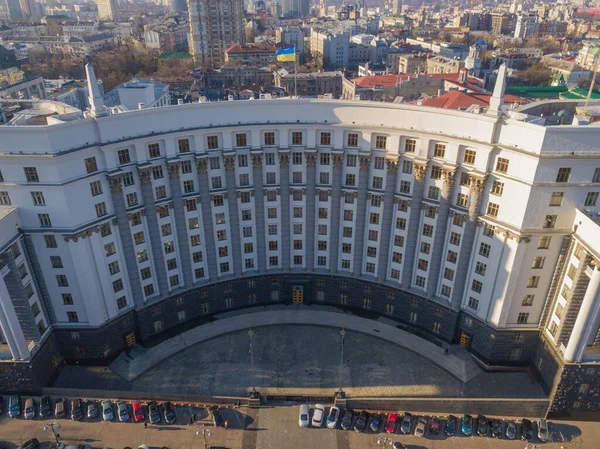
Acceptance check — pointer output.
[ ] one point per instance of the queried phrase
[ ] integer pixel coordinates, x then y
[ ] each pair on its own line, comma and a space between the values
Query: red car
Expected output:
390, 424
435, 426
138, 411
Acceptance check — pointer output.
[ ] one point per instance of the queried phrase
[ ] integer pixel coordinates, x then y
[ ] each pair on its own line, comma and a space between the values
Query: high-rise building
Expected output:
108, 10
25, 7
215, 25
397, 7
295, 8
14, 9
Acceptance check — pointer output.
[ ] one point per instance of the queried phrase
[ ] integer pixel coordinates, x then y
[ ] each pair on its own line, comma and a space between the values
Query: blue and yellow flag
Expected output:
286, 54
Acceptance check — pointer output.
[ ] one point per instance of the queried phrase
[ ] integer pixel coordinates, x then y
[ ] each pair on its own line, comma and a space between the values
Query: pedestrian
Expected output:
145, 425
191, 422
226, 424
194, 417
446, 351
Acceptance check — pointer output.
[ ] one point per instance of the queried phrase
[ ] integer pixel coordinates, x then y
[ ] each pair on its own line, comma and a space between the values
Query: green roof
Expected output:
580, 94
175, 54
537, 91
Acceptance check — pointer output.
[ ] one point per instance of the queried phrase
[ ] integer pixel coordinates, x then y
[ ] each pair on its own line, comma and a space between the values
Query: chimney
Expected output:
180, 101
141, 105
97, 108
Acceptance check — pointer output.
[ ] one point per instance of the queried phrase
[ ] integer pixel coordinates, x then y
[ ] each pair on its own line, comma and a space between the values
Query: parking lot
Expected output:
265, 427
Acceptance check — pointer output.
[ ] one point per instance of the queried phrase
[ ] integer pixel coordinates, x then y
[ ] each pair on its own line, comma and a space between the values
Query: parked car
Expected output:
76, 412
526, 430
406, 425
482, 426
361, 422
29, 412
421, 426
122, 412
14, 406
317, 418
138, 411
1, 404
31, 444
390, 425
60, 408
496, 427
347, 419
216, 416
332, 418
107, 411
45, 406
543, 433
398, 445
450, 427
303, 419
169, 413
92, 409
375, 423
153, 413
467, 425
435, 426
511, 430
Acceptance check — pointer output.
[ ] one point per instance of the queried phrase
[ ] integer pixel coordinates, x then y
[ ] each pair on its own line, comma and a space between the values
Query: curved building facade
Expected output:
462, 227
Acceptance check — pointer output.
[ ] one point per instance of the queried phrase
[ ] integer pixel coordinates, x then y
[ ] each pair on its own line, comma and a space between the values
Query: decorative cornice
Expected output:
145, 175
392, 165
448, 176
365, 162
477, 184
284, 160
338, 160
116, 183
229, 162
202, 165
420, 169
311, 160
173, 169
82, 235
256, 160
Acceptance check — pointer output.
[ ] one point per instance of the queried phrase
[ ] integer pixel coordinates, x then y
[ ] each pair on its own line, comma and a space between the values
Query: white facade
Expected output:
468, 210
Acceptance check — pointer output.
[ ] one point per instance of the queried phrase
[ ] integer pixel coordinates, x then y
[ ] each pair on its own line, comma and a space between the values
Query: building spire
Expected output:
97, 108
497, 100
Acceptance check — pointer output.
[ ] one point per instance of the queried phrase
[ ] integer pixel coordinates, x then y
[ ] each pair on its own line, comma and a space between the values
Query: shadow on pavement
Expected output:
237, 420
564, 432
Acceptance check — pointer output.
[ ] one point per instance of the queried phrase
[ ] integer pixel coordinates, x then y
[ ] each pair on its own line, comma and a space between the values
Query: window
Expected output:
399, 240
436, 172
350, 180
166, 229
113, 267
502, 165
373, 218
400, 223
422, 265
138, 237
96, 188
550, 221
425, 247
449, 274
105, 229
90, 164
353, 140
67, 299
484, 250
240, 140
72, 317
370, 267
591, 199
538, 262
174, 280
269, 138
212, 142
458, 220
439, 150
145, 273
377, 182
44, 220
413, 317
473, 303
563, 175
346, 248
522, 318
296, 138
492, 209
142, 256
497, 188
476, 286
571, 272
380, 142
596, 177
61, 280
128, 179
132, 199
351, 160
410, 146
371, 251
38, 197
405, 186
297, 177
480, 268
188, 186
469, 157
154, 150
195, 239
533, 281
5, 199
396, 257
455, 238
544, 242
556, 198
407, 167
437, 327
31, 174
326, 139
148, 290
324, 178
50, 241
527, 300
433, 193
297, 229
56, 262
242, 160
193, 223
366, 303
123, 156
348, 215
109, 249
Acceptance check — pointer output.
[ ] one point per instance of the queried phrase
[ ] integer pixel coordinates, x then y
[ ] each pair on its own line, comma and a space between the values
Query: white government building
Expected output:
474, 228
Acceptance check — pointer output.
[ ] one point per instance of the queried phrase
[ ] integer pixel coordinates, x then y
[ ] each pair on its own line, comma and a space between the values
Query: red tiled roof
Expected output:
456, 99
389, 80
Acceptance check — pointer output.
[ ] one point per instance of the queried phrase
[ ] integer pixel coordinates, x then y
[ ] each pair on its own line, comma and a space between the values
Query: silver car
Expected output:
29, 409
122, 411
543, 433
421, 427
511, 430
406, 426
107, 411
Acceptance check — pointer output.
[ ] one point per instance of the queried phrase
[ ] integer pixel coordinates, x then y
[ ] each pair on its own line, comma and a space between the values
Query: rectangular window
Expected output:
433, 193
538, 262
142, 256
544, 242
297, 177
492, 209
533, 281
439, 150
154, 150
296, 138
123, 156
44, 220
326, 139
373, 218
324, 178
351, 160
484, 250
38, 197
241, 140
563, 174
148, 290
400, 223
449, 274
527, 300
502, 165
113, 267
469, 157
380, 142
550, 221
188, 186
591, 199
128, 179
132, 199
31, 174
410, 146
161, 192
269, 138
72, 317
405, 186
522, 318
476, 286
212, 142
61, 280
473, 303
556, 198
138, 237
497, 188
95, 187
352, 140
90, 164
436, 172
50, 241
377, 182
407, 167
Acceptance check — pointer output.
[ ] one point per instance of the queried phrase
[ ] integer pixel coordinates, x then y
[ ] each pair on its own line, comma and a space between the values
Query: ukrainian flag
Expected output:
286, 54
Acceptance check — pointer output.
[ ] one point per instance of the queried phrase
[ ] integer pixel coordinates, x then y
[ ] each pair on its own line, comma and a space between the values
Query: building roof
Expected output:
456, 99
251, 49
370, 82
175, 54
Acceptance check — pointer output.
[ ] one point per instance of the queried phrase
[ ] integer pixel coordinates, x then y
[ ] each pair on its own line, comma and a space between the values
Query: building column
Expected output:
38, 278
234, 216
311, 162
9, 322
157, 250
361, 207
583, 329
437, 255
259, 211
116, 190
207, 219
336, 196
389, 206
180, 224
414, 224
284, 183
466, 247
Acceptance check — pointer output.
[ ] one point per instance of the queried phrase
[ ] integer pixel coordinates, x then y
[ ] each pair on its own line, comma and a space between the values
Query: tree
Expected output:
536, 74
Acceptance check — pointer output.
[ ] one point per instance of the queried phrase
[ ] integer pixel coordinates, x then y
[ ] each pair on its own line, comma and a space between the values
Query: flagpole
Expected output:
295, 75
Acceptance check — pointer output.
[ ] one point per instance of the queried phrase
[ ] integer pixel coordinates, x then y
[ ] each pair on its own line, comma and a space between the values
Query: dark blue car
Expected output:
467, 425
450, 425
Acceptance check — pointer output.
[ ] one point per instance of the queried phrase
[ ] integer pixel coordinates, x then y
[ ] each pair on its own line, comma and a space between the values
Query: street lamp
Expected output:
253, 393
340, 393
205, 434
54, 426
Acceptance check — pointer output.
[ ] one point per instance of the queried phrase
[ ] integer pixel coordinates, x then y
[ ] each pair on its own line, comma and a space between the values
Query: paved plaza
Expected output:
302, 360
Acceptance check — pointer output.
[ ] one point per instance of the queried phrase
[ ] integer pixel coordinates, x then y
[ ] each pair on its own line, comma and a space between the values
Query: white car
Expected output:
332, 418
123, 412
421, 427
107, 411
303, 420
317, 419
543, 433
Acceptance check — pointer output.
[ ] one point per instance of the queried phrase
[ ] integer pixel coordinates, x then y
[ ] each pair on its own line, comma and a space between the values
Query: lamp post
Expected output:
251, 350
340, 393
205, 434
54, 426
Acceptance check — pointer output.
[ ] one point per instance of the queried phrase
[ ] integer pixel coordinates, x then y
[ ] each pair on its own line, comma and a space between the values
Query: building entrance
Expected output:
465, 340
297, 294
